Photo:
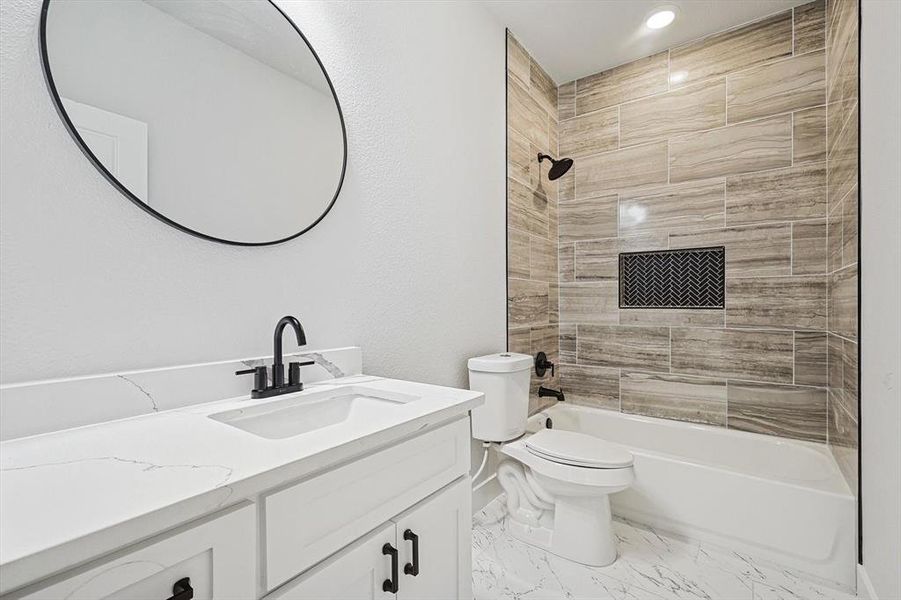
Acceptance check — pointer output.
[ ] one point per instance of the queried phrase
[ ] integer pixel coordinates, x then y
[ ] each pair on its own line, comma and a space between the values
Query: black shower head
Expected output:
559, 167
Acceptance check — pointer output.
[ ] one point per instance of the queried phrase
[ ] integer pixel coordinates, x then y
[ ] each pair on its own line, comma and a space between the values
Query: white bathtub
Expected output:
777, 500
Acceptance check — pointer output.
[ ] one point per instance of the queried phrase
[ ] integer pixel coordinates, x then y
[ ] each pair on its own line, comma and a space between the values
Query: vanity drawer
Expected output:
217, 554
310, 520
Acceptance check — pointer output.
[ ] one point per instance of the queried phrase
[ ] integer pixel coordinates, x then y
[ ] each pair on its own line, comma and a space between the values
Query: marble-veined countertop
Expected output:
72, 495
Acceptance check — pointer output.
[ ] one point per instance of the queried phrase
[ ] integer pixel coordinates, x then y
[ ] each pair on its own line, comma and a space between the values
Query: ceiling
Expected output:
256, 29
575, 38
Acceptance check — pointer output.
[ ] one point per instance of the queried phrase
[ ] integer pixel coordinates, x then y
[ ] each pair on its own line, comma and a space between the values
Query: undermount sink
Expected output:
305, 413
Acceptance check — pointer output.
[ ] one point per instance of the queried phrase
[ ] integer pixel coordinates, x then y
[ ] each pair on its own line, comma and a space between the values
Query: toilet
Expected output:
558, 483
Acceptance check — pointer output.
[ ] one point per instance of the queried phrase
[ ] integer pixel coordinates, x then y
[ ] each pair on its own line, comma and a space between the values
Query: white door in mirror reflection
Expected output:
119, 142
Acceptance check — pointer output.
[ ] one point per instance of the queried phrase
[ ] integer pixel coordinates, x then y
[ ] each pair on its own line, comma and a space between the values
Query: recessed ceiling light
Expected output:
661, 17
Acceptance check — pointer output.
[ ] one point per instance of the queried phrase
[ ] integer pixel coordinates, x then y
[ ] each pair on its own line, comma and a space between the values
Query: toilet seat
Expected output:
577, 449
571, 474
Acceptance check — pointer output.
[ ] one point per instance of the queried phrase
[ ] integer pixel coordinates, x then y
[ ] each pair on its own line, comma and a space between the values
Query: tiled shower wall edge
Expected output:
39, 407
843, 152
532, 294
658, 145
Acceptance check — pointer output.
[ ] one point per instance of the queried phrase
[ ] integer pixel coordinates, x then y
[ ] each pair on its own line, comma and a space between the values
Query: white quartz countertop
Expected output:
72, 495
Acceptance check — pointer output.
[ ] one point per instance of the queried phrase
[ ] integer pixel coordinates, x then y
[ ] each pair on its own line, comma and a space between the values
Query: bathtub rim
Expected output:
838, 486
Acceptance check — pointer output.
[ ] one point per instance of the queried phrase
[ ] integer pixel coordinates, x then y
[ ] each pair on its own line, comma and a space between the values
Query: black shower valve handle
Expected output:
542, 364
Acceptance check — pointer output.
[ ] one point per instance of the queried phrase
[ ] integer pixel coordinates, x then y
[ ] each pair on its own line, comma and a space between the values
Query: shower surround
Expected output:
532, 294
719, 142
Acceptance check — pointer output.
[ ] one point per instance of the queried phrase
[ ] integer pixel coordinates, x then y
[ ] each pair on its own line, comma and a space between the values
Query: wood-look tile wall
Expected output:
842, 233
721, 141
532, 216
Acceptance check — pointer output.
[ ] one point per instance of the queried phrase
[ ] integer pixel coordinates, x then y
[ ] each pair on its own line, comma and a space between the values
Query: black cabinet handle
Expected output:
412, 569
182, 590
390, 585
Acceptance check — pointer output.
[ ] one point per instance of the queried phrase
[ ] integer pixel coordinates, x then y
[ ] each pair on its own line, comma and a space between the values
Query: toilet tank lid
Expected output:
502, 362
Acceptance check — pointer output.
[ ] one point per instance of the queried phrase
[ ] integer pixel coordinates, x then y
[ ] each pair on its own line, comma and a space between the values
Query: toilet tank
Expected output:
504, 379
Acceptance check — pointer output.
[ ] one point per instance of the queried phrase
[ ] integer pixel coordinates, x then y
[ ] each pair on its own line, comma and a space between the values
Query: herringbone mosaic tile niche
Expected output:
686, 278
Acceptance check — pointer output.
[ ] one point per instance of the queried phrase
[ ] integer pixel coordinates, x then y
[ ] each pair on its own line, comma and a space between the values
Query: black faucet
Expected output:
544, 392
261, 387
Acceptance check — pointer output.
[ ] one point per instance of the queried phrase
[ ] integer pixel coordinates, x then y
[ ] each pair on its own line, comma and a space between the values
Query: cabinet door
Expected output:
217, 553
354, 573
441, 527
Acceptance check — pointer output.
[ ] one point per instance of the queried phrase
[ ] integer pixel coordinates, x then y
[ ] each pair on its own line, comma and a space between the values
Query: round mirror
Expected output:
215, 116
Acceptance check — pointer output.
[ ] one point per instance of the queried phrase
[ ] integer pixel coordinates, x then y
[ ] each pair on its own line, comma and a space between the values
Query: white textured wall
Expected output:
880, 338
409, 264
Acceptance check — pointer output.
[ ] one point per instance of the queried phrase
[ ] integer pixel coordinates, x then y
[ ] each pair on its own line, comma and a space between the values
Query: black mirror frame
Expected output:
57, 102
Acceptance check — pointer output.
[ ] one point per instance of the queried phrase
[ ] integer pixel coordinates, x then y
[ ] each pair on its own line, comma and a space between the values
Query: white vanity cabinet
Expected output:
393, 522
213, 558
311, 520
422, 554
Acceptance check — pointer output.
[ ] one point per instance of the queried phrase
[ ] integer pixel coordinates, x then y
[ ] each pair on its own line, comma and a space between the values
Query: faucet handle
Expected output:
542, 364
260, 377
294, 370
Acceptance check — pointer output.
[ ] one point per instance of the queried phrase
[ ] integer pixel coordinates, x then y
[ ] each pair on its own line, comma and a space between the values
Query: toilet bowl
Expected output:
558, 485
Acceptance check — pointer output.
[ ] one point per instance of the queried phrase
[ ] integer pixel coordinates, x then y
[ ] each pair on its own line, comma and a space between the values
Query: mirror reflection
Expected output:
214, 115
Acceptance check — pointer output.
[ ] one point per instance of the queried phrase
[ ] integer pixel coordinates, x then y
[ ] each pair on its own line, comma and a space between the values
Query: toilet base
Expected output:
580, 530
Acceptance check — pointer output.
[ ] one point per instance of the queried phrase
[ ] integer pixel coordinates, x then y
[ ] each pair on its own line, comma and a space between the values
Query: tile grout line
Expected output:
793, 31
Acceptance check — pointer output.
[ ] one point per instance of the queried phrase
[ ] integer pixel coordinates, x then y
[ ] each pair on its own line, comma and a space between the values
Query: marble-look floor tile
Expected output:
651, 566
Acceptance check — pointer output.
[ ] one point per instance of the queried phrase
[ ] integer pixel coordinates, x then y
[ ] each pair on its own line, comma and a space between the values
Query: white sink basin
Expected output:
299, 414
